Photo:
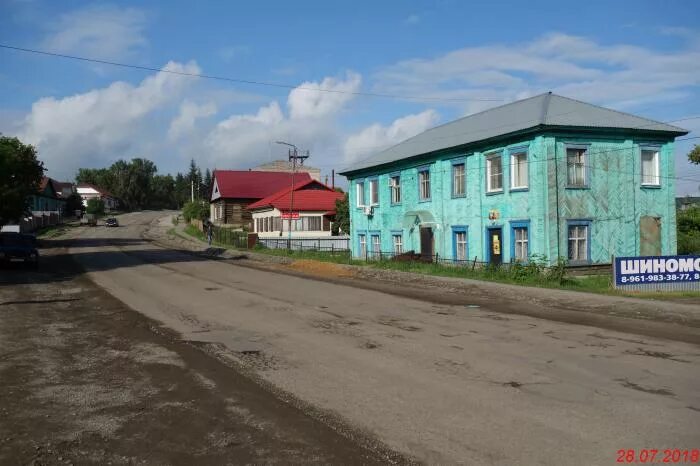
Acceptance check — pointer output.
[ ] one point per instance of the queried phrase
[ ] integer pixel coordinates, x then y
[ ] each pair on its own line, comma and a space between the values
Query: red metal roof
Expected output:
310, 195
245, 184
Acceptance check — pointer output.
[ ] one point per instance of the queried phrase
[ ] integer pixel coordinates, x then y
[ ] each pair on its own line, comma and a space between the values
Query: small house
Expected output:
234, 190
305, 210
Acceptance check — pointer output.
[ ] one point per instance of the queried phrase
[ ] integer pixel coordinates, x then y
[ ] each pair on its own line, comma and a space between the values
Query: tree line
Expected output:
138, 185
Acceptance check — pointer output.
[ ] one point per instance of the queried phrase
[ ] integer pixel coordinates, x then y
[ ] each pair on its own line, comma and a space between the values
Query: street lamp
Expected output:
292, 158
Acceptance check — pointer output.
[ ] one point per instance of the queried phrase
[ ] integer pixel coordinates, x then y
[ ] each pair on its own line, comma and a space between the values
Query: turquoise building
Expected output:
548, 175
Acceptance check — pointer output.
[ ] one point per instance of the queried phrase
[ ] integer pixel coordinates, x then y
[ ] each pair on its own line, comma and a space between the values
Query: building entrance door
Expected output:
495, 245
426, 242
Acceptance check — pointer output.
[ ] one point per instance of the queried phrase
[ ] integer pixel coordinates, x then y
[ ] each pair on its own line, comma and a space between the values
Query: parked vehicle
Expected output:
111, 222
89, 220
18, 247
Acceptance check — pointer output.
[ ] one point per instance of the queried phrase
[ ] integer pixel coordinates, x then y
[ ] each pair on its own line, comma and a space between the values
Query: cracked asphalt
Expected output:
438, 382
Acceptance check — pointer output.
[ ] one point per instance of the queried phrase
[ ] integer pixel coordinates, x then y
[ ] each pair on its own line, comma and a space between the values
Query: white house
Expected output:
88, 191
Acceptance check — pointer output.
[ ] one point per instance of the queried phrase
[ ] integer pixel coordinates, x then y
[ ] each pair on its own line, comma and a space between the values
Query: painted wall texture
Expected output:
612, 204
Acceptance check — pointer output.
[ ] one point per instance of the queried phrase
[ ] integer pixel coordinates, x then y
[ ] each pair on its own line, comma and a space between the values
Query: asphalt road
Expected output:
444, 384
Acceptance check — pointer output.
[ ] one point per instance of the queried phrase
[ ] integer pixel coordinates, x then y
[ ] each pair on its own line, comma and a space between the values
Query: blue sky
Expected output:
643, 59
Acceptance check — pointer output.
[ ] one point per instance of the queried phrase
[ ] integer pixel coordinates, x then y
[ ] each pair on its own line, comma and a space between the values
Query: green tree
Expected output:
688, 226
694, 155
197, 210
163, 192
73, 202
342, 216
95, 206
207, 185
20, 176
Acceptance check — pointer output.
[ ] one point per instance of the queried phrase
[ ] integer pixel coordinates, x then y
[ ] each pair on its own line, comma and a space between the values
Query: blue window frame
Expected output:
395, 188
520, 240
424, 183
578, 166
578, 240
459, 177
460, 243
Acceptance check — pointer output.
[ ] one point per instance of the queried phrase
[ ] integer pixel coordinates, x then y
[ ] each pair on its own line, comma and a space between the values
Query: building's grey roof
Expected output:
544, 110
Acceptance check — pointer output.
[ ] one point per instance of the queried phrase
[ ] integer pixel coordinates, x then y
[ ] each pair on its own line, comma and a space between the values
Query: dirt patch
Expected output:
323, 269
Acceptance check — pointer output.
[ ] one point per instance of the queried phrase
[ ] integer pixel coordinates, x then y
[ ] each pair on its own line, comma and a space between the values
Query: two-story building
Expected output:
547, 175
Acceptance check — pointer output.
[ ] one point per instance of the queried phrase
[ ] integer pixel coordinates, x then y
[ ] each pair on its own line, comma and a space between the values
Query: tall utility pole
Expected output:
293, 154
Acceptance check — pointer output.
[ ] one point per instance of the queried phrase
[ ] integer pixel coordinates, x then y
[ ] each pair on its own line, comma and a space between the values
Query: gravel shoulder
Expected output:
657, 318
85, 379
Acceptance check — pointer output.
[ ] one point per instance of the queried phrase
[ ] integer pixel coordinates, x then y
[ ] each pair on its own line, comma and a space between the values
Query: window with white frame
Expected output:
520, 243
424, 183
576, 167
650, 167
518, 170
395, 187
360, 190
363, 245
374, 192
494, 173
578, 242
460, 238
376, 245
398, 243
458, 180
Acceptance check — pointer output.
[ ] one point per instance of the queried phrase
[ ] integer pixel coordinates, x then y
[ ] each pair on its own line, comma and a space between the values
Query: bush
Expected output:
197, 210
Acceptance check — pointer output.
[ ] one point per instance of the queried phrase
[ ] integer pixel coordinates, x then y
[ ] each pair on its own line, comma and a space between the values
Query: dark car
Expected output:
111, 222
18, 247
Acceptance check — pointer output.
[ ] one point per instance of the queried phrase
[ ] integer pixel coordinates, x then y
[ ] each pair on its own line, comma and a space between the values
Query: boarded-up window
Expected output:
650, 236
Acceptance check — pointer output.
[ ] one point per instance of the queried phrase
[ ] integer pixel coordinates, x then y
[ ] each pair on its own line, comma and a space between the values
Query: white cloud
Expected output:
96, 127
376, 137
621, 75
190, 112
304, 102
100, 31
244, 140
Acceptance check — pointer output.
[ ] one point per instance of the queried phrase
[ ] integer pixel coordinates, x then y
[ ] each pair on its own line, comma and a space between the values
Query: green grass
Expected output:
601, 284
51, 232
194, 231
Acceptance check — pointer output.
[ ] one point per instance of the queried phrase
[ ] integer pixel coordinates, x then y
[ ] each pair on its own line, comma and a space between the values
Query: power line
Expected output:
245, 81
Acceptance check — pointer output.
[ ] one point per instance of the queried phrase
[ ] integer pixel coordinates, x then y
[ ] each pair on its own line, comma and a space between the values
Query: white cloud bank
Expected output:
620, 75
94, 128
376, 137
310, 123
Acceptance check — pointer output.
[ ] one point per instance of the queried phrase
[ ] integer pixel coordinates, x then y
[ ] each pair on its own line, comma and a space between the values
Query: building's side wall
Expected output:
614, 201
234, 212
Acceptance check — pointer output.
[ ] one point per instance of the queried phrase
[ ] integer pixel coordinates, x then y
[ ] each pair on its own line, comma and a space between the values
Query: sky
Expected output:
439, 61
